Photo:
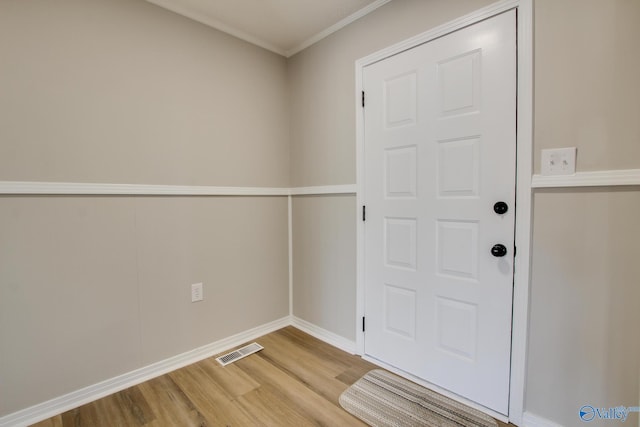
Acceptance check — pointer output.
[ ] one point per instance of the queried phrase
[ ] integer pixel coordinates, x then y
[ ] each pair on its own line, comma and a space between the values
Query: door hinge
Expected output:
364, 213
362, 99
362, 323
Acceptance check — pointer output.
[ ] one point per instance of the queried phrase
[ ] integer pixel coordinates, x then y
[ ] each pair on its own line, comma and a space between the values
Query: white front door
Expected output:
440, 153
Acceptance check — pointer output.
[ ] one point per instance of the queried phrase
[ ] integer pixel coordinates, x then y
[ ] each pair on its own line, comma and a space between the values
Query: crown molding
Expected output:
336, 27
210, 21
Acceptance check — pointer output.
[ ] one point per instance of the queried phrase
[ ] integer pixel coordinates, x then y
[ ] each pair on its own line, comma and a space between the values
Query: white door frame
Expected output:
523, 181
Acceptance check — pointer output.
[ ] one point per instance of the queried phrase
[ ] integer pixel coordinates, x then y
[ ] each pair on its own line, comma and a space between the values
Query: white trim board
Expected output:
324, 335
523, 179
524, 161
532, 420
324, 189
439, 31
81, 188
290, 248
604, 178
93, 392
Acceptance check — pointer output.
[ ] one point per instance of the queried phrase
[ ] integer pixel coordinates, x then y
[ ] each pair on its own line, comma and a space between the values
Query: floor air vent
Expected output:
239, 353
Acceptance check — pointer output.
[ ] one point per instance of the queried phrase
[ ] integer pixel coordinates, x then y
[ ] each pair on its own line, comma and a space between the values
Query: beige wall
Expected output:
584, 346
94, 287
68, 295
586, 64
122, 91
324, 262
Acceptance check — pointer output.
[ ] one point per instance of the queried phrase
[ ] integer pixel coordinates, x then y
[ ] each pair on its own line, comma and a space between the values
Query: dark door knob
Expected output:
498, 250
500, 208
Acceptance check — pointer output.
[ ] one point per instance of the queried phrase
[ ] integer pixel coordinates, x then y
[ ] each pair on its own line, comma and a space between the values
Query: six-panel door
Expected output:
440, 150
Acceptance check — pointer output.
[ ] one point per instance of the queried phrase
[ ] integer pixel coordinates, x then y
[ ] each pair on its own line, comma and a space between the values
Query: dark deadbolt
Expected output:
500, 208
498, 250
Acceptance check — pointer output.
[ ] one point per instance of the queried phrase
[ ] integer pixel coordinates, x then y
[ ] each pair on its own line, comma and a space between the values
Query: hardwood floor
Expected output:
295, 381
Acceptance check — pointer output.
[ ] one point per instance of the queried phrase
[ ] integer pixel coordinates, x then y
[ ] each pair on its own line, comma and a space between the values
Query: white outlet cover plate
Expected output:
559, 161
196, 292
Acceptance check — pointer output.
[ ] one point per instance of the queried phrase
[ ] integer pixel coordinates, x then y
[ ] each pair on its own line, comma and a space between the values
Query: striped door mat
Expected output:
381, 398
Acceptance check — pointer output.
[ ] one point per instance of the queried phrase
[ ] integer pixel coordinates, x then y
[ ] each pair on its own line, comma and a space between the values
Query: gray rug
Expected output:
381, 398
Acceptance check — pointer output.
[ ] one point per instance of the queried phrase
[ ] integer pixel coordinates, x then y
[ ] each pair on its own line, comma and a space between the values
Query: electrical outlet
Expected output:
559, 161
196, 292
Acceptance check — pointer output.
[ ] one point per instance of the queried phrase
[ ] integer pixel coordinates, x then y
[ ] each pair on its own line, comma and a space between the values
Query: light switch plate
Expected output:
559, 161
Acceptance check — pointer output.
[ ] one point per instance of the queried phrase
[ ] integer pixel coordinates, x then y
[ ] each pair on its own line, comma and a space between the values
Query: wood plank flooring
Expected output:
295, 381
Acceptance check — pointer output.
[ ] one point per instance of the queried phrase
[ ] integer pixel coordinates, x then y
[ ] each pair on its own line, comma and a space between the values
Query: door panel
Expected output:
440, 132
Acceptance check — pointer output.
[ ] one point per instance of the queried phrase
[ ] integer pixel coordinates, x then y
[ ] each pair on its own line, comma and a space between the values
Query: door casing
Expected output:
524, 141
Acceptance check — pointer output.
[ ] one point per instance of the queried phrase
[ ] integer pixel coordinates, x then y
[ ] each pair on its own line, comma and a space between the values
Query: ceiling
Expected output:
281, 26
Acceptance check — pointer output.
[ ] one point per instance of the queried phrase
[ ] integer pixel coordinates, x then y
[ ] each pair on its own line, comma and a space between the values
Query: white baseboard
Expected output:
532, 420
322, 334
88, 394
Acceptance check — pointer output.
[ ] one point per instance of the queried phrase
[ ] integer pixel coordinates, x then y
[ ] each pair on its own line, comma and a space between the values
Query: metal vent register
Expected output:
239, 353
